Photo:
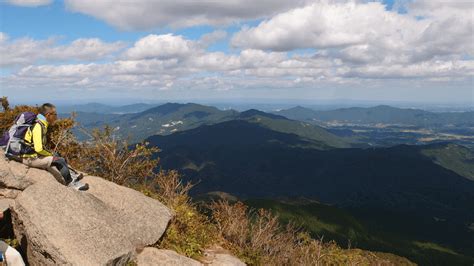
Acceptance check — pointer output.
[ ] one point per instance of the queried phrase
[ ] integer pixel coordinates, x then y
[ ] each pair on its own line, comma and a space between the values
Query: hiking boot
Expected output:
76, 176
78, 185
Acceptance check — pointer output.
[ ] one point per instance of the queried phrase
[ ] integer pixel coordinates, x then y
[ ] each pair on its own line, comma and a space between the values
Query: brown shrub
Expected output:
257, 237
8, 115
190, 231
254, 235
116, 160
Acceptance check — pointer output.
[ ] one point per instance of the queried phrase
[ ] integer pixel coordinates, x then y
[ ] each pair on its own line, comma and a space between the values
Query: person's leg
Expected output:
13, 257
58, 167
45, 164
39, 162
61, 165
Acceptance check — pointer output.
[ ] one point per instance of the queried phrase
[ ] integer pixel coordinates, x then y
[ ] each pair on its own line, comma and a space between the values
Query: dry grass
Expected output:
190, 231
115, 160
258, 238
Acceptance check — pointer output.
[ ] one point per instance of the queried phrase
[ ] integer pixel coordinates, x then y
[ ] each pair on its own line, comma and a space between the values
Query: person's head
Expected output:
49, 111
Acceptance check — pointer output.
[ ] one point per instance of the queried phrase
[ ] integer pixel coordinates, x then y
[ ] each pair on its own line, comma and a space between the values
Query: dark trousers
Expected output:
61, 164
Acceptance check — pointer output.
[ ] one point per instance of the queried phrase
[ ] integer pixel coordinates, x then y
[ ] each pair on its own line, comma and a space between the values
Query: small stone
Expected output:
156, 257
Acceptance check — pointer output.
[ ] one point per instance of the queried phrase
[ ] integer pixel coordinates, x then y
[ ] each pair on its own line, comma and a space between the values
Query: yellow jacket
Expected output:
36, 138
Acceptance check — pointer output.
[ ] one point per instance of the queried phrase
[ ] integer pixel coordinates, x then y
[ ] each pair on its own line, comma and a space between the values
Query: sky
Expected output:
237, 50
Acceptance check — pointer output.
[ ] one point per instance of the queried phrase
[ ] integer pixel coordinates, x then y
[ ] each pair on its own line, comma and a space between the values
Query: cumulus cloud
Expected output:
30, 3
23, 51
319, 25
367, 32
423, 70
162, 47
147, 14
145, 66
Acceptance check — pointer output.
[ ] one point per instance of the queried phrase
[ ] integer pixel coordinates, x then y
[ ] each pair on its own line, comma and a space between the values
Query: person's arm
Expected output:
38, 141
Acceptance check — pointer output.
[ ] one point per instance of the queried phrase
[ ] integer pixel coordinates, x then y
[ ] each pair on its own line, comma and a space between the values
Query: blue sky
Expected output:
415, 51
42, 22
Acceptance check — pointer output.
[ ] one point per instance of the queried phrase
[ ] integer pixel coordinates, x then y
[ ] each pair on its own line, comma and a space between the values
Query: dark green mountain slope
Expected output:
301, 129
412, 190
242, 158
456, 158
237, 133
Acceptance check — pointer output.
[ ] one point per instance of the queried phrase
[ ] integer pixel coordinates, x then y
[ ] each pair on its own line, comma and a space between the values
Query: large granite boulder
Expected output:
59, 225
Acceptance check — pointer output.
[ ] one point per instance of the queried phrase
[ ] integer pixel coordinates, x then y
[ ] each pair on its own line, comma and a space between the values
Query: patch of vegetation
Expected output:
258, 238
370, 230
319, 137
434, 246
190, 231
453, 157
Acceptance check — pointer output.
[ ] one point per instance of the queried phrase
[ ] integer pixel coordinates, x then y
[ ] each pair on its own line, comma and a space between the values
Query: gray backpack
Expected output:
13, 140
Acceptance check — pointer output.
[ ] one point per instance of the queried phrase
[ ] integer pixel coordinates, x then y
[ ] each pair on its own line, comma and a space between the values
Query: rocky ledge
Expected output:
106, 225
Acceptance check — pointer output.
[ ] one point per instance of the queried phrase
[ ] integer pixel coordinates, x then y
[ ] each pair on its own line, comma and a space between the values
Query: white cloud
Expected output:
161, 46
367, 32
30, 3
248, 68
24, 51
147, 14
319, 25
423, 70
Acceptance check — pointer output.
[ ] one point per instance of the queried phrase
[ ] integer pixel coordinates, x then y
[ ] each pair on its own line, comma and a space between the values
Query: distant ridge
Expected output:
379, 114
255, 112
175, 117
163, 109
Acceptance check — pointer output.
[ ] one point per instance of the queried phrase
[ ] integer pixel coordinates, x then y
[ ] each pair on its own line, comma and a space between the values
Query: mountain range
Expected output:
173, 117
380, 114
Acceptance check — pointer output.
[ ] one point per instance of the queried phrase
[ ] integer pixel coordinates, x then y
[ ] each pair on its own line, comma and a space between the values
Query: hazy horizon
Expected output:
264, 104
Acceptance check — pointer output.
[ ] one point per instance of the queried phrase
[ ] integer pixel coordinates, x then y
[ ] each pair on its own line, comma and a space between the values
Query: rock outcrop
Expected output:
154, 256
217, 256
106, 225
212, 257
58, 225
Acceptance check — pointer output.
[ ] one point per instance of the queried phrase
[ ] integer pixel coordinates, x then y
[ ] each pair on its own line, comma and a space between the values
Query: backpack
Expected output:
13, 140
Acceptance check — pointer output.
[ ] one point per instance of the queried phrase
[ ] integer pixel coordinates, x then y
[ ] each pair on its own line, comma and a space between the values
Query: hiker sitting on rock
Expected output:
35, 154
